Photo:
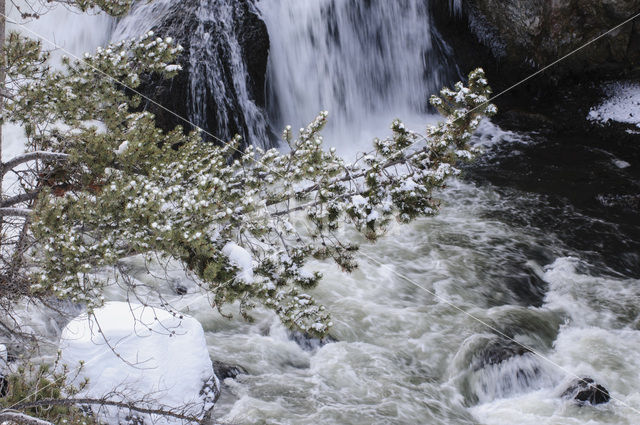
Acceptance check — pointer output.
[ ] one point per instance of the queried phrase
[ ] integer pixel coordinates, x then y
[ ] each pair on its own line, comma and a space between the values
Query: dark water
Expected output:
583, 187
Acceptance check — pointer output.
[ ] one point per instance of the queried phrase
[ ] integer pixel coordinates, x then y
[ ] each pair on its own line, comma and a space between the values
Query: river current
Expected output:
525, 245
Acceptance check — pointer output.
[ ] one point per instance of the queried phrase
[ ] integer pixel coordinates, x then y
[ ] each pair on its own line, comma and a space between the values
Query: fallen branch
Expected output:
103, 402
20, 418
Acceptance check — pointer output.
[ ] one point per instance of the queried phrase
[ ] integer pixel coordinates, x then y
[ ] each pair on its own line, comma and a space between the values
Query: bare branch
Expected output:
104, 402
32, 156
15, 212
23, 197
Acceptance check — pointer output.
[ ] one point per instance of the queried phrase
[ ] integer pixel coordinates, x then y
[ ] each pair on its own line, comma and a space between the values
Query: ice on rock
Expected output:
141, 353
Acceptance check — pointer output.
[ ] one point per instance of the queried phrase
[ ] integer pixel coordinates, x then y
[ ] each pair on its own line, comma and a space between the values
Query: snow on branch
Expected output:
32, 156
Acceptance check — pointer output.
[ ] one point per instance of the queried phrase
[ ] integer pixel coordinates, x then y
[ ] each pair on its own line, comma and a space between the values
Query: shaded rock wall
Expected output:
222, 85
531, 34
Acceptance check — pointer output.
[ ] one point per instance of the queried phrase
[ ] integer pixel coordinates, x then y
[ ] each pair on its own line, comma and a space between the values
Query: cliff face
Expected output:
532, 34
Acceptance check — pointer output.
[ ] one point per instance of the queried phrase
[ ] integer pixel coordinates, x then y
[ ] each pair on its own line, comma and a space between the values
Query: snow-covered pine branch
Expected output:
230, 215
173, 194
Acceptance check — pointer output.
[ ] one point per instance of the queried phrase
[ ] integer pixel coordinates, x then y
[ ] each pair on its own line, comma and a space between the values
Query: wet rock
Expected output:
549, 30
586, 391
221, 40
497, 352
308, 343
224, 370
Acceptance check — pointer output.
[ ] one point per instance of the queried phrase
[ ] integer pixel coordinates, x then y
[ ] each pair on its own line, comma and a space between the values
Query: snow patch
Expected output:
241, 258
141, 353
122, 148
621, 164
622, 105
3, 359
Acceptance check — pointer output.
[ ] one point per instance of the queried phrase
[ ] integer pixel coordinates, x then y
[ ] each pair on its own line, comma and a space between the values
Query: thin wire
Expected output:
493, 328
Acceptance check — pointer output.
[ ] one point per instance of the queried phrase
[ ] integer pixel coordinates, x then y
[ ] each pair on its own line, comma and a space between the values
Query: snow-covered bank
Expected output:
141, 355
622, 105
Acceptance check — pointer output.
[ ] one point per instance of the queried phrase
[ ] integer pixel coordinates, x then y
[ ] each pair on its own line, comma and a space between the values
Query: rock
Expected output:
141, 353
308, 343
4, 384
497, 352
222, 85
526, 34
224, 370
180, 290
586, 391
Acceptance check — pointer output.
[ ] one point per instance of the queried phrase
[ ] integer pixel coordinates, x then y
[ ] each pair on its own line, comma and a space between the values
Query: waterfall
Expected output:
363, 61
218, 75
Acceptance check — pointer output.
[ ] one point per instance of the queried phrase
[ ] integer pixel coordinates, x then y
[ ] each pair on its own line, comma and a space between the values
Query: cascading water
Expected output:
363, 61
219, 98
219, 81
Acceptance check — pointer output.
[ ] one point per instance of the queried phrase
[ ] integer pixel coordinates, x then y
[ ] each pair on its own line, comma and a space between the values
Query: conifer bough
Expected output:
109, 184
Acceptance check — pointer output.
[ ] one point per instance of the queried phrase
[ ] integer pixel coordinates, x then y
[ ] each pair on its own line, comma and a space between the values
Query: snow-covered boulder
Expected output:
143, 355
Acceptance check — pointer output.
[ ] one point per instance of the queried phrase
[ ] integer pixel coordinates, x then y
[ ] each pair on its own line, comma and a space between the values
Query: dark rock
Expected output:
535, 34
4, 386
210, 392
224, 370
497, 352
308, 343
586, 391
181, 290
220, 39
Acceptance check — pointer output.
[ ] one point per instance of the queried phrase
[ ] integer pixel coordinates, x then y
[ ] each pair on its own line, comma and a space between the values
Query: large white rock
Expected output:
134, 353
